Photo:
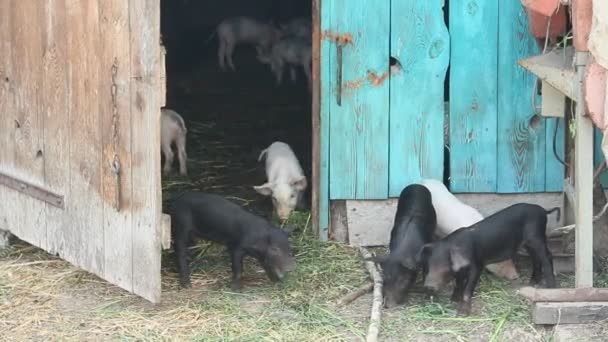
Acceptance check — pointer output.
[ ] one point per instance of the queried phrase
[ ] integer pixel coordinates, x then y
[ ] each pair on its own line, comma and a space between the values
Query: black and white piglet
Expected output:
213, 218
414, 225
463, 253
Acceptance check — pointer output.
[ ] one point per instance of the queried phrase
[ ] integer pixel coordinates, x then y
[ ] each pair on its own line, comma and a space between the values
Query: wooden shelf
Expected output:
556, 68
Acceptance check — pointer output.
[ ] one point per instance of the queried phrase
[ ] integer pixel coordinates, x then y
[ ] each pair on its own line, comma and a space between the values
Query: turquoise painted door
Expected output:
495, 144
356, 37
381, 125
420, 43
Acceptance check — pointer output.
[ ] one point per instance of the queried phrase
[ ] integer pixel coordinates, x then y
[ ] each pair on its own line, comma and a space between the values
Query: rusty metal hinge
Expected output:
115, 163
340, 39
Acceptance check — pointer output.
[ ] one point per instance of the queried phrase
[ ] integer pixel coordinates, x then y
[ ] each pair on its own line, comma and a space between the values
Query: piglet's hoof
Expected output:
235, 285
185, 284
464, 309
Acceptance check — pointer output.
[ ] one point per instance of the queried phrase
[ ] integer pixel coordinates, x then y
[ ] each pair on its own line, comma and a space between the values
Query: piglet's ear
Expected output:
264, 189
299, 183
459, 260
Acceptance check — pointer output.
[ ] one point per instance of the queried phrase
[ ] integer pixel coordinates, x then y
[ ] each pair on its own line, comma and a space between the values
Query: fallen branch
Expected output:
562, 230
374, 321
351, 297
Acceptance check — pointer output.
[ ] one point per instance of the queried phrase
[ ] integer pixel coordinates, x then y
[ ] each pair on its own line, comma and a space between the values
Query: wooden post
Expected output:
583, 175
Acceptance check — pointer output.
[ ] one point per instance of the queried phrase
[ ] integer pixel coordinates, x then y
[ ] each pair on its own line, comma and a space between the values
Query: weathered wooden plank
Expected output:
569, 313
115, 110
144, 21
84, 243
554, 170
588, 294
473, 95
420, 44
369, 222
55, 90
26, 41
520, 150
359, 154
7, 215
320, 116
583, 184
339, 224
598, 155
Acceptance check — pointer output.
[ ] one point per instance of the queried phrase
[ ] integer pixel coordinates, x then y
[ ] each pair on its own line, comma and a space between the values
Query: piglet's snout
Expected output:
431, 285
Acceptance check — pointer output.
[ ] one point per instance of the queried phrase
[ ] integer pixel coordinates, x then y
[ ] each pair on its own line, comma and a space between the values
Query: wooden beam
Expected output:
564, 295
32, 190
569, 313
583, 184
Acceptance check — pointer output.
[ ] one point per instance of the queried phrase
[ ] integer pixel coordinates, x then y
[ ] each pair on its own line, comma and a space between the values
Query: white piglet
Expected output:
173, 130
452, 215
285, 178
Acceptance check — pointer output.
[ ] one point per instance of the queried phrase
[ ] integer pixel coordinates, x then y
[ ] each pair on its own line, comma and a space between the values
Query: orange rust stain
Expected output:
339, 38
376, 80
354, 84
372, 77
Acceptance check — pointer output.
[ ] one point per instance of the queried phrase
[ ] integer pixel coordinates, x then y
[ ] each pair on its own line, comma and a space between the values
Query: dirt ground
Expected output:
231, 117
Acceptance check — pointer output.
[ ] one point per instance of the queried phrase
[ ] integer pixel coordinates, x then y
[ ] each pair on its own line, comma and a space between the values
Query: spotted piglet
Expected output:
452, 215
285, 179
173, 131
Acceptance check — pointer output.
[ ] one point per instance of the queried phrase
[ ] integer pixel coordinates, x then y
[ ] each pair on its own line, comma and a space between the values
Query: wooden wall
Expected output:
80, 89
494, 146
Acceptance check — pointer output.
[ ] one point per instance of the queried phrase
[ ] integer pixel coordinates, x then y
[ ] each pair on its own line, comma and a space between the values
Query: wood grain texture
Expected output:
320, 117
27, 119
359, 151
473, 95
115, 112
8, 219
420, 42
56, 123
569, 313
144, 21
521, 146
84, 242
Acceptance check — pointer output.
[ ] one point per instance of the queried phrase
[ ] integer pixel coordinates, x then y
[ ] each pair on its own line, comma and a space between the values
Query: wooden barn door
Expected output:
80, 107
383, 67
495, 146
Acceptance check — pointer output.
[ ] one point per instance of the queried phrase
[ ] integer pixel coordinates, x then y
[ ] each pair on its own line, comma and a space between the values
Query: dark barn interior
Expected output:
231, 116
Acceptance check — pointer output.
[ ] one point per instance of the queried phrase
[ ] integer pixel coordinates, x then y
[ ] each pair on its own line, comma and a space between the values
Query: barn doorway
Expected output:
232, 116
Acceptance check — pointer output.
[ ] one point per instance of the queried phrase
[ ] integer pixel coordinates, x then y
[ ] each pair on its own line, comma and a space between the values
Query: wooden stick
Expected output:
351, 297
374, 321
588, 294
